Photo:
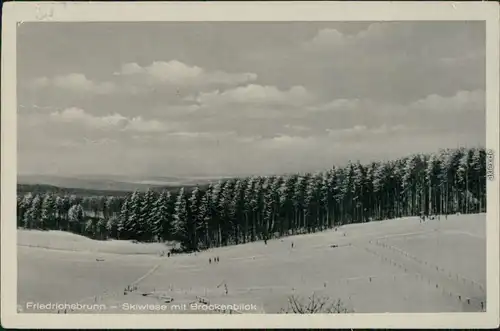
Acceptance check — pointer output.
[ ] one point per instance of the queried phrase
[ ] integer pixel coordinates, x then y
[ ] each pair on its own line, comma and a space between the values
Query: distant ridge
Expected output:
111, 183
42, 189
79, 183
102, 185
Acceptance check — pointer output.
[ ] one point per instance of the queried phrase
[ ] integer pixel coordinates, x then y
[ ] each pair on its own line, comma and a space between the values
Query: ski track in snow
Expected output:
447, 289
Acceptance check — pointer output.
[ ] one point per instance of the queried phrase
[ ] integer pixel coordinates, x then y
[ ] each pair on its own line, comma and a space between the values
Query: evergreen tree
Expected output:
35, 212
66, 205
122, 226
26, 208
146, 218
260, 189
370, 192
287, 203
162, 225
203, 217
225, 211
134, 225
308, 203
47, 221
180, 222
217, 211
205, 214
432, 177
267, 190
195, 223
60, 215
90, 228
101, 229
19, 211
298, 202
75, 218
478, 167
108, 207
359, 198
275, 195
112, 227
238, 210
250, 210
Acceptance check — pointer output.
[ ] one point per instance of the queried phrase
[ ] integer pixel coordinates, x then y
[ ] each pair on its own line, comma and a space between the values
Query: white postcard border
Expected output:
15, 13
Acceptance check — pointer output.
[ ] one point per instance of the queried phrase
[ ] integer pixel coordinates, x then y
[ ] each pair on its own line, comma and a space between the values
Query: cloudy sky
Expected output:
168, 99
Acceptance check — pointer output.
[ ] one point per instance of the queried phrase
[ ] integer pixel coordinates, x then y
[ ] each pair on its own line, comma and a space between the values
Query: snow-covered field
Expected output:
398, 265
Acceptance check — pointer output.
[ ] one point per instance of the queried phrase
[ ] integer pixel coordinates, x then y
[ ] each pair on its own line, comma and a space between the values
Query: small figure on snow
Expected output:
209, 261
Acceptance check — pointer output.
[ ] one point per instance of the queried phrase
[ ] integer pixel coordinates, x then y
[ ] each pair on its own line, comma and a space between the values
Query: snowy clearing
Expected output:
398, 265
60, 240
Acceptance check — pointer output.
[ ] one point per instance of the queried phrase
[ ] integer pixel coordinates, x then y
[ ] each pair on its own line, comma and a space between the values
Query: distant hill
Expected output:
113, 183
41, 189
80, 183
104, 185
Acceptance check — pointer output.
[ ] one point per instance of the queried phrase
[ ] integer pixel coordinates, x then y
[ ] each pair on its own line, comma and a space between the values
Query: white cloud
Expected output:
251, 102
284, 141
130, 69
362, 131
347, 132
76, 83
384, 129
195, 135
197, 140
256, 94
40, 82
382, 30
328, 37
103, 141
143, 79
336, 105
141, 125
179, 110
178, 73
335, 140
77, 115
299, 128
108, 122
357, 131
461, 101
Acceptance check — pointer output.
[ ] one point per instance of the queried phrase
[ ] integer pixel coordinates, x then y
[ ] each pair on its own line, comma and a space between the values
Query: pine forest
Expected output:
255, 208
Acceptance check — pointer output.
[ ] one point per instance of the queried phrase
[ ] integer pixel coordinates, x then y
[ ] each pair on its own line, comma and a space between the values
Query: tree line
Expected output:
254, 208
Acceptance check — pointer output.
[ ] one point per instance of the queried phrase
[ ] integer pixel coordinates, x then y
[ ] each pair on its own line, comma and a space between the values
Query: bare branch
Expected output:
314, 305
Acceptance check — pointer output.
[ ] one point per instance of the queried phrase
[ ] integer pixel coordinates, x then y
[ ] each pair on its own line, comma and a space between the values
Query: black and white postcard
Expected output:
267, 164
